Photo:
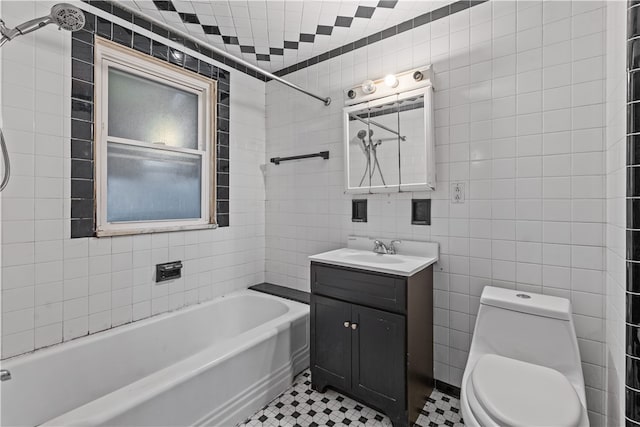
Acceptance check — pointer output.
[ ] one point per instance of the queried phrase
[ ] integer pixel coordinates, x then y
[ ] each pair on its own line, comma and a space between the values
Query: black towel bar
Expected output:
277, 160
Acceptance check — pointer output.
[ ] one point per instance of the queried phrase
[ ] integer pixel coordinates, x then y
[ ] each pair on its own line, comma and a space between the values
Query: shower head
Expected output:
362, 133
65, 16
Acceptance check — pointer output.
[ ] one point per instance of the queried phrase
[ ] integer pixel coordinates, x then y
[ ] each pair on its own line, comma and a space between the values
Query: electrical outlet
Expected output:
457, 192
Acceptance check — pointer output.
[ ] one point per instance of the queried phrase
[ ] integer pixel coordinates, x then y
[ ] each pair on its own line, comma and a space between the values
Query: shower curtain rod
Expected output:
325, 100
380, 125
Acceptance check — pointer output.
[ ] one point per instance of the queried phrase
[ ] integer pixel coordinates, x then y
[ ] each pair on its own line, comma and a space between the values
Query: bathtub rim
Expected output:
133, 325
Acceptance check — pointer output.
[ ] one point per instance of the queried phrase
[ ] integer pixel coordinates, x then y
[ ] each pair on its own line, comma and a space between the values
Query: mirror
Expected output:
389, 144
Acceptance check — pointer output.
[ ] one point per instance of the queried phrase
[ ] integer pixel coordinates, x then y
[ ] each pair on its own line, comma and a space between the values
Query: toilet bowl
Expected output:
524, 363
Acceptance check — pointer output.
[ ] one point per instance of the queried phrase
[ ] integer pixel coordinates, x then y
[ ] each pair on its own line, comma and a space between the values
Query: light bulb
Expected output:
391, 80
368, 86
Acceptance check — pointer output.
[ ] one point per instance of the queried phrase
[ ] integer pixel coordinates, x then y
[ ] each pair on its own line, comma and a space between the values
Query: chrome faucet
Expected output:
380, 248
5, 375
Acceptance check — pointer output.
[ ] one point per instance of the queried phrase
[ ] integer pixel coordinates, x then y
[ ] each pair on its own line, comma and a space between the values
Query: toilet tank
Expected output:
529, 327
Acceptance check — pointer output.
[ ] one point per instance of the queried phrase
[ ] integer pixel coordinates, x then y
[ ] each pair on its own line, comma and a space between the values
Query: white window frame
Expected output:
110, 55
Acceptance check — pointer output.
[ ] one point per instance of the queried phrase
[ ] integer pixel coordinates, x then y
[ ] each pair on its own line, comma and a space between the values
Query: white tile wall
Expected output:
55, 288
520, 120
616, 96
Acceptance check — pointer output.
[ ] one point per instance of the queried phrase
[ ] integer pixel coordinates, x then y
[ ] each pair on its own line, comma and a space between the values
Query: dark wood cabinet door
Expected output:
330, 343
378, 359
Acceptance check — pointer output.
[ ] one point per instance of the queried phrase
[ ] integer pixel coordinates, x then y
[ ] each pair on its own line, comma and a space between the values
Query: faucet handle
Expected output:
380, 247
392, 246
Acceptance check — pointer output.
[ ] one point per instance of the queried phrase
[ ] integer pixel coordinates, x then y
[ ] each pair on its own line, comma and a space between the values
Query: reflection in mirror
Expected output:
359, 159
373, 147
413, 153
383, 140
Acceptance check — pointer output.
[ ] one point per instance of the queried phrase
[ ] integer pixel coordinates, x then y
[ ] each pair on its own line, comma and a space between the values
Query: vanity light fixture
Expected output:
368, 87
391, 84
391, 80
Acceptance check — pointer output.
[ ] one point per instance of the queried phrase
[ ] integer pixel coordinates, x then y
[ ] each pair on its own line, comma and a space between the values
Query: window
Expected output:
155, 144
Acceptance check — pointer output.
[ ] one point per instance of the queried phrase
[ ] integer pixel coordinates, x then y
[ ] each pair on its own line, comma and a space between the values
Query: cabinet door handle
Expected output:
354, 326
347, 324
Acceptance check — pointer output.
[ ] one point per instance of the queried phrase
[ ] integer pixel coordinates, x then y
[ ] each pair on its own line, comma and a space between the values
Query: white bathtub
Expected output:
211, 364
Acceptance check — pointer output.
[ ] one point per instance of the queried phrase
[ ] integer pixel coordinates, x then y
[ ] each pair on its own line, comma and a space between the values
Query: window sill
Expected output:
159, 229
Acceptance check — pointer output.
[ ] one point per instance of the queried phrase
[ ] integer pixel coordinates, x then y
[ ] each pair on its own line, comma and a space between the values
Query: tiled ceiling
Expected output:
276, 34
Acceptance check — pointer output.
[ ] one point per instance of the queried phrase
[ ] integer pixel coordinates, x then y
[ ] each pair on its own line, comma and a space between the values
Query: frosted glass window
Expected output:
147, 184
145, 110
155, 139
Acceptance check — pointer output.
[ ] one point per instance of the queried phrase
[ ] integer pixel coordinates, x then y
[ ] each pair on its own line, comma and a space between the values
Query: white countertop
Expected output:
398, 264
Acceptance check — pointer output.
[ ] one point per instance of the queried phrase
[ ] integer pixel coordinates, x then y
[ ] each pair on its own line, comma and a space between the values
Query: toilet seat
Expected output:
515, 393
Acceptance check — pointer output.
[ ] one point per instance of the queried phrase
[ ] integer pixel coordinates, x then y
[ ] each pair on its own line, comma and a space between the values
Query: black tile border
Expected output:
632, 404
633, 245
633, 150
106, 28
633, 373
633, 277
410, 24
283, 292
447, 388
83, 214
633, 341
362, 12
632, 315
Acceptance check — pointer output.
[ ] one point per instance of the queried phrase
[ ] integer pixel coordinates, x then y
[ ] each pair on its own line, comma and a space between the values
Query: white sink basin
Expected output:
398, 264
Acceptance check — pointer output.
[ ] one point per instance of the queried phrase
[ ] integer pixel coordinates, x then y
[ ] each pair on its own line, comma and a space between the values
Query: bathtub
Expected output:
211, 364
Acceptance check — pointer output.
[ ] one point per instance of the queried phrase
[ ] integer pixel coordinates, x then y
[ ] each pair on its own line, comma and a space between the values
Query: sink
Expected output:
397, 264
374, 258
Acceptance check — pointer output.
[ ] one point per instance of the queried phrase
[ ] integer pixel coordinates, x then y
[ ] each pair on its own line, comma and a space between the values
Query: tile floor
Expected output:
300, 406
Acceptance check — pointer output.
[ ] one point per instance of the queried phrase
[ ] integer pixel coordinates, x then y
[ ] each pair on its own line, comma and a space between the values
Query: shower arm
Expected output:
3, 32
381, 126
325, 100
9, 34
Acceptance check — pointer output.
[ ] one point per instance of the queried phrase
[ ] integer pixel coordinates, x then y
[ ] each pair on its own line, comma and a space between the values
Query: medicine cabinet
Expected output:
389, 141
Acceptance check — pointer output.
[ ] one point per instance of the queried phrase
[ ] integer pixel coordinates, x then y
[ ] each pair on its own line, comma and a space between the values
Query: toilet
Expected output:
524, 364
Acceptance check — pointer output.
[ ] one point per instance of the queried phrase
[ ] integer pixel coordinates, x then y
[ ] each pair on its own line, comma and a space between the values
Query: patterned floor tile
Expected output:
300, 406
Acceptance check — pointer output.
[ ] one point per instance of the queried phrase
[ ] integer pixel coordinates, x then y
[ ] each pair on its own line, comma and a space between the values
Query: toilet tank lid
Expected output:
527, 302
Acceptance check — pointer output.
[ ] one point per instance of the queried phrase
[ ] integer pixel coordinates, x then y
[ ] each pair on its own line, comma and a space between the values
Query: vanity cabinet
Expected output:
372, 337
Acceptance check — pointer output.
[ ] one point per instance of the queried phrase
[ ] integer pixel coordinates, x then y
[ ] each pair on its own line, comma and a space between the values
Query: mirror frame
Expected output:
429, 146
